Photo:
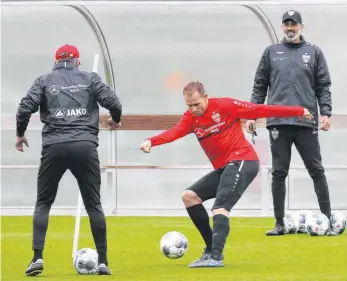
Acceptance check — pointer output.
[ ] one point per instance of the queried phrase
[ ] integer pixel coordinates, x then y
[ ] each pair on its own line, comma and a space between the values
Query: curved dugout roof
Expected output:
151, 51
154, 50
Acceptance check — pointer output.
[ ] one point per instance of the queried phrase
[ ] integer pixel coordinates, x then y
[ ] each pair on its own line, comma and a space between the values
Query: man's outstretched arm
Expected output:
181, 129
247, 110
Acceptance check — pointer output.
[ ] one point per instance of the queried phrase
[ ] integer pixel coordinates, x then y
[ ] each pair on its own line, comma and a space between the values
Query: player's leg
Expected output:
202, 190
52, 168
235, 179
281, 141
307, 143
85, 166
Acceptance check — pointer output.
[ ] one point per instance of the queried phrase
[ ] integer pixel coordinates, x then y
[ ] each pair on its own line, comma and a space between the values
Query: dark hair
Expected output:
72, 60
194, 86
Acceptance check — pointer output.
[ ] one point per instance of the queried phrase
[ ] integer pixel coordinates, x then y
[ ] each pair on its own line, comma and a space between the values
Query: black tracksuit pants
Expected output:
81, 158
306, 142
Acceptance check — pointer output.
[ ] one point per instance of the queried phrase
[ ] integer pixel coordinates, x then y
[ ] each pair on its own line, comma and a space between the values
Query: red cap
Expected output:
67, 52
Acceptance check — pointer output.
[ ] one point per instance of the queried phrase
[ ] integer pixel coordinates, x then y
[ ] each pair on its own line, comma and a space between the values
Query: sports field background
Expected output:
134, 252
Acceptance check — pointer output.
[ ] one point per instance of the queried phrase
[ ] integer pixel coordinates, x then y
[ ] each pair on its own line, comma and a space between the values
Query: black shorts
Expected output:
227, 184
81, 158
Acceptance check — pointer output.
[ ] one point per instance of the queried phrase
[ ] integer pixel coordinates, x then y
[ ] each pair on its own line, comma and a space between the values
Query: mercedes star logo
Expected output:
199, 132
54, 89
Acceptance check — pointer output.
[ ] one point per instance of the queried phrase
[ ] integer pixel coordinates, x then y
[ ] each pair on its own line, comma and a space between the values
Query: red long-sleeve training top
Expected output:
219, 129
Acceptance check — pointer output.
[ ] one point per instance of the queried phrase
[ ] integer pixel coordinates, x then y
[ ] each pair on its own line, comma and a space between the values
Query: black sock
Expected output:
99, 231
322, 192
325, 208
280, 221
221, 228
199, 216
40, 225
37, 255
278, 195
102, 259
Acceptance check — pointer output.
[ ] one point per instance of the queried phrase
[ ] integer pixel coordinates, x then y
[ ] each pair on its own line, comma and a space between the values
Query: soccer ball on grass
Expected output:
318, 225
291, 222
338, 222
85, 261
304, 217
174, 245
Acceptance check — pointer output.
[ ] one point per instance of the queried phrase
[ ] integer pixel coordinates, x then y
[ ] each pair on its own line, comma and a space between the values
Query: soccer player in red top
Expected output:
217, 126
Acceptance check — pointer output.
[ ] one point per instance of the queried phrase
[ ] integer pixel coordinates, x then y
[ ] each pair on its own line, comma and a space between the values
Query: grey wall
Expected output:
155, 50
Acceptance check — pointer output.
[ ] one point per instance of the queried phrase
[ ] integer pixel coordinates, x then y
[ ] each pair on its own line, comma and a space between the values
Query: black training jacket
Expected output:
294, 74
68, 100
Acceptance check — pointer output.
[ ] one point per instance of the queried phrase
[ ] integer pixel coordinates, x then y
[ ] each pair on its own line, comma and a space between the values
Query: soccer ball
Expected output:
304, 216
85, 261
291, 222
338, 222
174, 245
318, 225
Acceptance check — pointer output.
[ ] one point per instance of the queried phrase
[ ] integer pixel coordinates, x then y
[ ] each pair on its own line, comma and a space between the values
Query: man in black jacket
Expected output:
68, 101
294, 72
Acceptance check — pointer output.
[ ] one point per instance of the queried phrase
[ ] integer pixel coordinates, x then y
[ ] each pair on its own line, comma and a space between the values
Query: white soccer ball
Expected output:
338, 222
304, 216
291, 222
85, 261
174, 245
318, 225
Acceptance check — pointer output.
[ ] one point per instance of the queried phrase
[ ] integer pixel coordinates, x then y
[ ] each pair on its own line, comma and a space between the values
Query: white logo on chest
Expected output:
216, 117
275, 133
306, 58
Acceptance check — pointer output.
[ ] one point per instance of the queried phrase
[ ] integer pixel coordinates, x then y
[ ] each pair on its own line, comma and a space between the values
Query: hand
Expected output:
146, 146
251, 126
307, 114
324, 123
19, 143
112, 125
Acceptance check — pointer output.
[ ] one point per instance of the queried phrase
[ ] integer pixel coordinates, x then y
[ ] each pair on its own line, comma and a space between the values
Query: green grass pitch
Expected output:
134, 252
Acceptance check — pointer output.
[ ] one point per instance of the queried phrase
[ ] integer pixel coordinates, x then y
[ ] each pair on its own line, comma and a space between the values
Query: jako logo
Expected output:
60, 113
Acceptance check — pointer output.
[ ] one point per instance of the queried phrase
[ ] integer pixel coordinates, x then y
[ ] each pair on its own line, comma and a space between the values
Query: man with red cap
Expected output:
68, 100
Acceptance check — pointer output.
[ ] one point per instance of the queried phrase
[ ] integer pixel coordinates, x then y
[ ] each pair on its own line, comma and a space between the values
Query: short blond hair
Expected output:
194, 86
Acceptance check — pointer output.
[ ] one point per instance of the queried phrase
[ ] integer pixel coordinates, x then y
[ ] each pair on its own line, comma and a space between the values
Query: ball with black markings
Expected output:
318, 225
174, 245
85, 261
338, 222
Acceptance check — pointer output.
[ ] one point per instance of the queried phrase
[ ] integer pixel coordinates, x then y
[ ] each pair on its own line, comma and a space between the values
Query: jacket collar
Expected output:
294, 45
64, 64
